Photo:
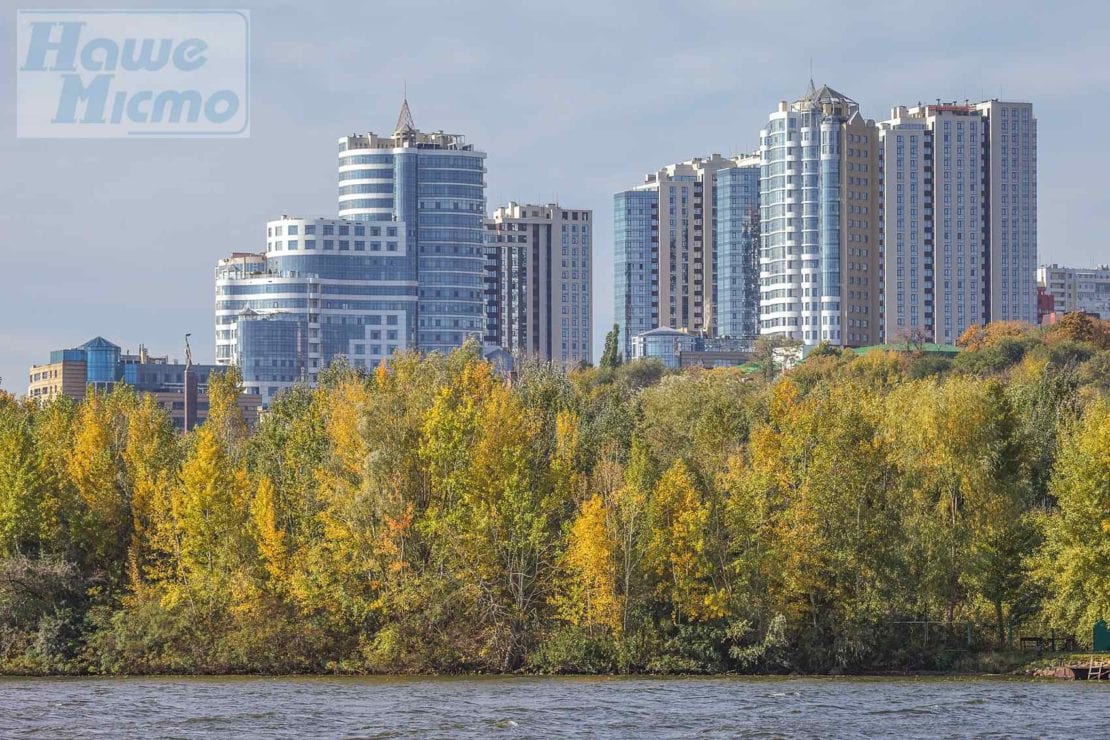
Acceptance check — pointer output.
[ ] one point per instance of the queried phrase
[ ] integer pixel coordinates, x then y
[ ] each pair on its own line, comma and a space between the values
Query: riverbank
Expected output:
1000, 664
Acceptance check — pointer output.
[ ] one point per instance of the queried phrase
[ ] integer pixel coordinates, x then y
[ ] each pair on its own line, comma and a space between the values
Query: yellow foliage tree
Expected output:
269, 536
587, 595
211, 513
678, 549
94, 470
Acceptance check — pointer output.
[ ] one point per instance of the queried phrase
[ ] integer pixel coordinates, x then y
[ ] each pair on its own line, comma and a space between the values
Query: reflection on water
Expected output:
539, 707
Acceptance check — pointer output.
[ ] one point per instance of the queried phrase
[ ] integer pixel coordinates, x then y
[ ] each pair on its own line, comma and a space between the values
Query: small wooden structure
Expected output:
1091, 671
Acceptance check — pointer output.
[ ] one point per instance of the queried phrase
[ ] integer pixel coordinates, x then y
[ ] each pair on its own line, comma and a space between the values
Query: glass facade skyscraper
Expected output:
325, 287
636, 272
431, 188
738, 250
400, 268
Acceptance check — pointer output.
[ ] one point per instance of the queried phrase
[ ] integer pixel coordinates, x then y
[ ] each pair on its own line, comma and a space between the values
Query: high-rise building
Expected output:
934, 260
324, 287
1085, 289
538, 272
401, 267
737, 249
959, 218
431, 188
819, 225
1010, 149
99, 366
664, 238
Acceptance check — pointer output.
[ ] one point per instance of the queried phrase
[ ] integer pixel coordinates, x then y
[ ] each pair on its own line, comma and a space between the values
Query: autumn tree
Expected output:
678, 549
1075, 563
587, 593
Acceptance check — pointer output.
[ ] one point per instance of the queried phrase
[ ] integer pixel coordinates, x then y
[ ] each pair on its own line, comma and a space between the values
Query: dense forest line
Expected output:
892, 510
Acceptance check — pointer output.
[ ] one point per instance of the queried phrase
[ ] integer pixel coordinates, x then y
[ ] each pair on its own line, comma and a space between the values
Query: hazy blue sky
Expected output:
569, 99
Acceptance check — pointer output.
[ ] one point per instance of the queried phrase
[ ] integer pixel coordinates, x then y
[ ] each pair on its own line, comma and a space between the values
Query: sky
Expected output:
571, 101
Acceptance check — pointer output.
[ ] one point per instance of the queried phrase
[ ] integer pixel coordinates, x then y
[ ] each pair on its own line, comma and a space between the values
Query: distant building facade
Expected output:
918, 226
679, 349
100, 365
400, 268
323, 288
959, 230
1085, 289
737, 249
430, 187
819, 226
538, 274
664, 249
1010, 150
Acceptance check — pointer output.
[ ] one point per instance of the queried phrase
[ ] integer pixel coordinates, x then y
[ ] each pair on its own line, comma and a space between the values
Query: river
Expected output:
518, 707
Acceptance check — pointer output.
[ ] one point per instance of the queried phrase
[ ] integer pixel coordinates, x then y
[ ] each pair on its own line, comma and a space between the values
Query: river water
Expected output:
518, 707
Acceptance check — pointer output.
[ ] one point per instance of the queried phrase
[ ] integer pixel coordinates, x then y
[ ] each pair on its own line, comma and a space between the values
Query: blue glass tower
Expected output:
738, 250
636, 255
432, 186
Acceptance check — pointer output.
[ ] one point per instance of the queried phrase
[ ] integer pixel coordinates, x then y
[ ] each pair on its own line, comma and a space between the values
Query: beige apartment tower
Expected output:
538, 281
959, 231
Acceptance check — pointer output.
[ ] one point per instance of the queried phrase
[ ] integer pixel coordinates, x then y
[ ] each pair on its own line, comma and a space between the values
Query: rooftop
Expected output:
406, 135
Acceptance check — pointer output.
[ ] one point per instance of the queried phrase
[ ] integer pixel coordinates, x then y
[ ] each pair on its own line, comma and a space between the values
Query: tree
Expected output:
958, 462
678, 548
587, 594
21, 481
95, 469
627, 509
1080, 327
225, 418
912, 339
612, 356
150, 458
1075, 563
211, 515
771, 351
270, 538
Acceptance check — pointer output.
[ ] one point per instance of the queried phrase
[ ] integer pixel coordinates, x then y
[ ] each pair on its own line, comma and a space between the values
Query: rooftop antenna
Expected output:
405, 123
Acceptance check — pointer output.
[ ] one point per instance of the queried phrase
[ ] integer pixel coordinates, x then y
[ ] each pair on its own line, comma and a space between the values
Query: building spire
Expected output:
404, 120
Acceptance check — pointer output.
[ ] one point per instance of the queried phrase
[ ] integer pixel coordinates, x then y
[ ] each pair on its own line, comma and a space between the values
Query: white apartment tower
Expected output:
538, 281
819, 222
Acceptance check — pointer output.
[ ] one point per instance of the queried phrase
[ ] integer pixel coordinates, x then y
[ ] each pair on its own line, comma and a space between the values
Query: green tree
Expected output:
612, 356
1075, 562
22, 487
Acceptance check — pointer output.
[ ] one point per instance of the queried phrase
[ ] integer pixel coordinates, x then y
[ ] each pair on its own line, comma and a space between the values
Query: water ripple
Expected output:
526, 707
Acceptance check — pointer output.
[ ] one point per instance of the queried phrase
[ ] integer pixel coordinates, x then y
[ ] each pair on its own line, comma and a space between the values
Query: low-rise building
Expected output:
1085, 289
180, 388
678, 349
